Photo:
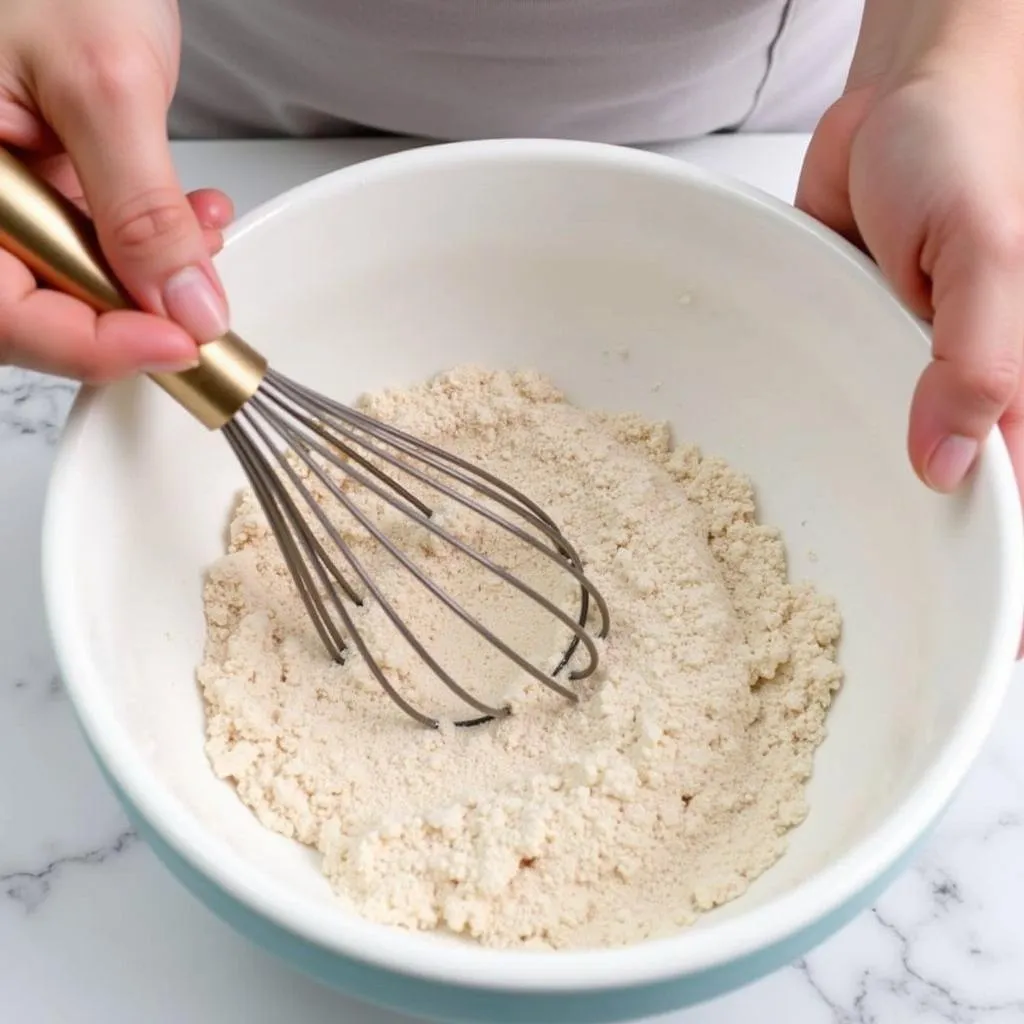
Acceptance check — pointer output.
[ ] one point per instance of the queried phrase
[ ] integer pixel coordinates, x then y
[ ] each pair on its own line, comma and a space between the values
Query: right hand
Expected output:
85, 86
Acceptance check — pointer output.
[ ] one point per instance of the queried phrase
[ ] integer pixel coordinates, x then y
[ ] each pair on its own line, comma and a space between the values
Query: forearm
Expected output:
897, 35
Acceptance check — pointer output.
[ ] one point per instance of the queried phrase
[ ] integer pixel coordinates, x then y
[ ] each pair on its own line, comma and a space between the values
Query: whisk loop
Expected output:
271, 423
285, 422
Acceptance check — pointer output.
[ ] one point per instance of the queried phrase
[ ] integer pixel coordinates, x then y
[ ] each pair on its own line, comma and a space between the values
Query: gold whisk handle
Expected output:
58, 243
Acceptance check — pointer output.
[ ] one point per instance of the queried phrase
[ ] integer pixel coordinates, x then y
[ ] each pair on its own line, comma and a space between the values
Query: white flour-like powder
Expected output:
664, 792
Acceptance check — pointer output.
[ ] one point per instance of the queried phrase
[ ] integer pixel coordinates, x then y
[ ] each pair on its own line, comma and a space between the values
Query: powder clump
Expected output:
663, 793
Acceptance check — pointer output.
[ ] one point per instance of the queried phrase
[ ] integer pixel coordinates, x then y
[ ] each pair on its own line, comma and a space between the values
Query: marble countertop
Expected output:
93, 929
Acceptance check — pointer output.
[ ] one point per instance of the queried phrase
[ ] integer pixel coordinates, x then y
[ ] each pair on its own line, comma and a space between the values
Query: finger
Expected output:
214, 241
824, 187
108, 106
23, 130
975, 372
57, 169
50, 332
213, 209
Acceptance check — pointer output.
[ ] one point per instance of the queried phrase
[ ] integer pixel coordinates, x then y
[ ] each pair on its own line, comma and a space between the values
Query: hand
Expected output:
84, 90
922, 163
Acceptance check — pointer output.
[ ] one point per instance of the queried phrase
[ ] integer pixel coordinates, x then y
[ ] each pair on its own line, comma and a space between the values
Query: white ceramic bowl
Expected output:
775, 345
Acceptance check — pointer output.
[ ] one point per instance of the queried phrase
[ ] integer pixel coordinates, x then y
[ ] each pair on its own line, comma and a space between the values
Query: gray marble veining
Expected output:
31, 887
33, 405
92, 929
943, 945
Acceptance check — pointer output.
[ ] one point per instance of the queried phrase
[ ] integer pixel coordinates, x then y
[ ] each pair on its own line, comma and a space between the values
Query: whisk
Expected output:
286, 436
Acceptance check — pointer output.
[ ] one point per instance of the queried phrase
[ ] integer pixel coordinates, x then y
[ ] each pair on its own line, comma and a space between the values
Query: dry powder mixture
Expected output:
664, 792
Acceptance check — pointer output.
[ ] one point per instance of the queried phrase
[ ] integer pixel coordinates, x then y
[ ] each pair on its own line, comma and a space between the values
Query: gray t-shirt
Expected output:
626, 71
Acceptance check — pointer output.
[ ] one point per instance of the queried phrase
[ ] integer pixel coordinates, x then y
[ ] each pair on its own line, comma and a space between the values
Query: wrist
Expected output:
904, 39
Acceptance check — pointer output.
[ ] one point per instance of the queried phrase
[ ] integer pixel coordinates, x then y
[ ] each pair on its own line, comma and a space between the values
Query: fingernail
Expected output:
951, 461
191, 299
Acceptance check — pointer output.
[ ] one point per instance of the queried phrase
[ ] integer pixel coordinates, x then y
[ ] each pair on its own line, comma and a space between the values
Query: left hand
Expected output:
922, 163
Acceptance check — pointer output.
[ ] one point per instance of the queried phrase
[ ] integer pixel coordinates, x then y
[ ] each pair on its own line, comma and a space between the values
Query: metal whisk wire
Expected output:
285, 421
270, 422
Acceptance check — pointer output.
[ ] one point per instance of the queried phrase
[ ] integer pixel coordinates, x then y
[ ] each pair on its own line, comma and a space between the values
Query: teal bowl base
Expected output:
450, 1004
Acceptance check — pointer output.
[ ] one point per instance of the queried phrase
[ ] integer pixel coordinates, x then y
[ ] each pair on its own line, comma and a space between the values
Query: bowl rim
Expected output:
420, 954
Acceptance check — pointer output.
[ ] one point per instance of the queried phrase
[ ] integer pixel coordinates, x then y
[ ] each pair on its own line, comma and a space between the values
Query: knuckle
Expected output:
153, 219
108, 70
992, 384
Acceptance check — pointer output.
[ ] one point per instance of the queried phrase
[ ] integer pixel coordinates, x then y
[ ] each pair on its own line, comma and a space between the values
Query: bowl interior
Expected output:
636, 285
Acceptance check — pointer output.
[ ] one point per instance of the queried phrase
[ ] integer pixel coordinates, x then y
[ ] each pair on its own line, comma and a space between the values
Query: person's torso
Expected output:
628, 71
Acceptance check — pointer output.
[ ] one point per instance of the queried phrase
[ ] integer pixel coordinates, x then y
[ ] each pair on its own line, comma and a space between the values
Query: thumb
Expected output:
975, 374
824, 188
112, 122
